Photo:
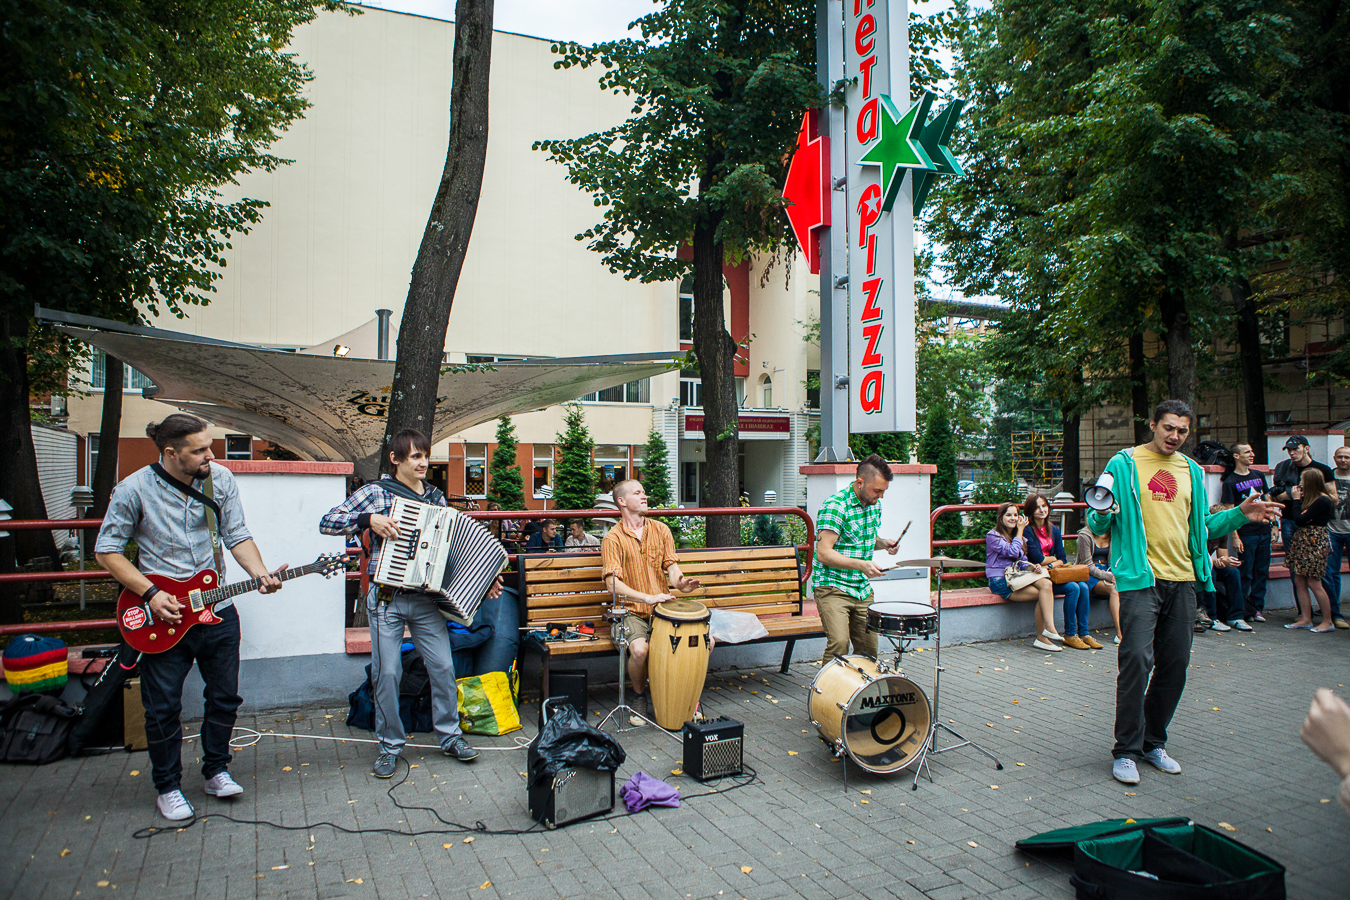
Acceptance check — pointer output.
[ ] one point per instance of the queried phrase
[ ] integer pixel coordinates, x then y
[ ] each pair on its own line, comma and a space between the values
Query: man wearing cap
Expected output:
1289, 473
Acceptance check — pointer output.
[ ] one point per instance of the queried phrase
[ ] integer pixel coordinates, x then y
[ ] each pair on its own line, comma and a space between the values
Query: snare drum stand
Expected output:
618, 630
930, 749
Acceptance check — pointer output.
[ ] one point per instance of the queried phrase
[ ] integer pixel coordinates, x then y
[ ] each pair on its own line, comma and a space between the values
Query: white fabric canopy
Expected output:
332, 408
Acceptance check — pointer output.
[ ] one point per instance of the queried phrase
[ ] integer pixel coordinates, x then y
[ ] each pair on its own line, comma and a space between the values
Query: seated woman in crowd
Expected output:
1004, 547
1044, 542
1094, 551
577, 535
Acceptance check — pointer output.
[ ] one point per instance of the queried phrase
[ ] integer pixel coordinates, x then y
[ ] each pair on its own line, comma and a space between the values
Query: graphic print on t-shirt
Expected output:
1163, 484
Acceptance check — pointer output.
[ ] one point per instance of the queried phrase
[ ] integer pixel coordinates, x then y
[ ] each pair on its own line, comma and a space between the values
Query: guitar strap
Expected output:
207, 499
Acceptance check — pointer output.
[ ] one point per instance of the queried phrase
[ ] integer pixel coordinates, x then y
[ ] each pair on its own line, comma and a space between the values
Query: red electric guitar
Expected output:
199, 594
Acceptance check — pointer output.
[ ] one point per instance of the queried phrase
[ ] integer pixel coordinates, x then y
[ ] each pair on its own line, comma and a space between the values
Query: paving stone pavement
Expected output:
67, 830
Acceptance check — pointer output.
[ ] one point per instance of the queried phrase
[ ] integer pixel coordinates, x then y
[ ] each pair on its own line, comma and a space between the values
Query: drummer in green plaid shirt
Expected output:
846, 537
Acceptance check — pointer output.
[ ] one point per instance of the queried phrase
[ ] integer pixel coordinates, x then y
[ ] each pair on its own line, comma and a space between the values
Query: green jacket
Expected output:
1129, 547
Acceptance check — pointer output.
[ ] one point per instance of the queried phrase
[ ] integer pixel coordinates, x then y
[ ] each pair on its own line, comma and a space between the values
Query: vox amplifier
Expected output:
570, 795
714, 748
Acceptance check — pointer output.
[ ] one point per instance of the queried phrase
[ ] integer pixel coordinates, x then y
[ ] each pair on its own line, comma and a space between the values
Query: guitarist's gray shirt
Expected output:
168, 526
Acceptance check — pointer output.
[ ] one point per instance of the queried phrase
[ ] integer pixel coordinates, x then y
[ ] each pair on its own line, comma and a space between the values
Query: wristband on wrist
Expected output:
149, 592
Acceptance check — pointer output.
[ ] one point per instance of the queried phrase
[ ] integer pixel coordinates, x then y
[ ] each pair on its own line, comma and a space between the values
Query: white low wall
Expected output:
282, 504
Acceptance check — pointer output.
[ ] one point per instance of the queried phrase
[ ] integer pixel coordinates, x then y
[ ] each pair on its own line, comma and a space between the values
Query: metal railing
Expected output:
807, 550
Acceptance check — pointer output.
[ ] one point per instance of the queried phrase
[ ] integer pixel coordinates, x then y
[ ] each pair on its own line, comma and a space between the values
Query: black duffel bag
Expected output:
35, 729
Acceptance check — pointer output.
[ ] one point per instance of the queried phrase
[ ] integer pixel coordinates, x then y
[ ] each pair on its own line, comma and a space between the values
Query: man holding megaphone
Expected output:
1152, 501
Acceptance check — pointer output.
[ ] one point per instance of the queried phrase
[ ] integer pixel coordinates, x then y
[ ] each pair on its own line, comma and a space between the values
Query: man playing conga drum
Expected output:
846, 529
639, 565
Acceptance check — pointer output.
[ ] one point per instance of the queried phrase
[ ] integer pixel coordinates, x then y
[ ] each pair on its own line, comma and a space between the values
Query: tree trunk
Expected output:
104, 475
445, 242
19, 484
716, 353
1176, 321
1139, 406
1249, 364
1073, 475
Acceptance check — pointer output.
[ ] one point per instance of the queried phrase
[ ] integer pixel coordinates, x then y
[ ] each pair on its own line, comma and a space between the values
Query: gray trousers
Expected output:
427, 626
1156, 627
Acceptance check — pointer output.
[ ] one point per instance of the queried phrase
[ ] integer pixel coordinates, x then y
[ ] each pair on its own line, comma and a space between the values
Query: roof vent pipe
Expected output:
382, 333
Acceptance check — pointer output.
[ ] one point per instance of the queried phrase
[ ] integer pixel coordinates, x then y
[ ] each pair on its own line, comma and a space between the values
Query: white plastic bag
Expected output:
735, 627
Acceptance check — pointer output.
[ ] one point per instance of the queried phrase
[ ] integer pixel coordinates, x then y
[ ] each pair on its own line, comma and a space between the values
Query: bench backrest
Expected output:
566, 587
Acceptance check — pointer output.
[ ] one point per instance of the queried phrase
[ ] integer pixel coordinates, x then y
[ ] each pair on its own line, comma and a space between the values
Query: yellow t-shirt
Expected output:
1165, 500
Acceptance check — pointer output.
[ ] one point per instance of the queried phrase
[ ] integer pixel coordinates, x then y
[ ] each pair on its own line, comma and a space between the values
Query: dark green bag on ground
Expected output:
1161, 859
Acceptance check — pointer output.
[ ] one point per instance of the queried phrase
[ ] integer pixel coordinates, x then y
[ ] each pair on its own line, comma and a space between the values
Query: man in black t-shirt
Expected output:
1290, 473
1252, 542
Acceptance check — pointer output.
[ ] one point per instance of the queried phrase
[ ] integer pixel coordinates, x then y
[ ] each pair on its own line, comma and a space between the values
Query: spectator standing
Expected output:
1338, 533
1094, 551
1287, 476
1252, 543
1044, 542
1309, 548
1224, 604
1004, 546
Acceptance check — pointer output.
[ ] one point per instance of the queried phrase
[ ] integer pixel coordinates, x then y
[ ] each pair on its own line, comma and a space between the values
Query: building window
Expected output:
1279, 417
93, 459
691, 473
813, 389
766, 385
131, 379
691, 388
687, 309
238, 446
633, 392
1202, 427
639, 463
475, 470
611, 466
543, 470
740, 392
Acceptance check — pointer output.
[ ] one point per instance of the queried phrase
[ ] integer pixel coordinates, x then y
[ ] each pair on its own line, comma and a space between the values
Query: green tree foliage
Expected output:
656, 477
574, 475
121, 122
937, 446
506, 486
718, 91
767, 532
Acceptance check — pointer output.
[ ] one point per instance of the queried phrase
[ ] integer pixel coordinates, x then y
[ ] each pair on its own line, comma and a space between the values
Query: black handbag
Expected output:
35, 729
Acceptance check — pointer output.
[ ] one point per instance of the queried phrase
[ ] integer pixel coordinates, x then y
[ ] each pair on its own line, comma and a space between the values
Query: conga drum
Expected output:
677, 661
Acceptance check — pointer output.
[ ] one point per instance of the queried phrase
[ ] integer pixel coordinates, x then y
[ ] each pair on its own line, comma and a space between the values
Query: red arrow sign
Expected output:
808, 187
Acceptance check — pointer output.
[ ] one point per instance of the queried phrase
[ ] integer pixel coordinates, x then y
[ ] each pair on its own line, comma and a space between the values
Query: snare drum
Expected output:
902, 618
881, 721
677, 661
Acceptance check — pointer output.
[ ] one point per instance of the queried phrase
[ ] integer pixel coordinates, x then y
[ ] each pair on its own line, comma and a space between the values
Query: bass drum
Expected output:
880, 720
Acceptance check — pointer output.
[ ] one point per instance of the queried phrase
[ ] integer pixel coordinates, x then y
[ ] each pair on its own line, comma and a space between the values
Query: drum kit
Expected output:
866, 710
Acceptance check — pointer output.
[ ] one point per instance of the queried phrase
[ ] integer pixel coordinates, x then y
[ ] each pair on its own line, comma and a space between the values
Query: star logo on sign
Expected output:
899, 146
873, 204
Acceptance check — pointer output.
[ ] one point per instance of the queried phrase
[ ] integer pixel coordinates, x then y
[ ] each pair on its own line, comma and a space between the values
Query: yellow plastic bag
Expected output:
487, 704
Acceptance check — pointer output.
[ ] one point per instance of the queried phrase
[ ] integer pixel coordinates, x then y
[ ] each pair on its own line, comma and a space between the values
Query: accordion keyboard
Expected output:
416, 559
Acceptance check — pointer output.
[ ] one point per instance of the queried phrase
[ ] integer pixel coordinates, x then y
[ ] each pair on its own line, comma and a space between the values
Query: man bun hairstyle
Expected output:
174, 430
873, 466
402, 444
1173, 408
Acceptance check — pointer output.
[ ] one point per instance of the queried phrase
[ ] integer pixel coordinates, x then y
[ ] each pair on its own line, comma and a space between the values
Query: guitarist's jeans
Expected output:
215, 649
427, 627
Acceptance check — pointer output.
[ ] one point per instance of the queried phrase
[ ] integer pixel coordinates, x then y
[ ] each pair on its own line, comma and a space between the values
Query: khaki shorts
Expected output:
639, 629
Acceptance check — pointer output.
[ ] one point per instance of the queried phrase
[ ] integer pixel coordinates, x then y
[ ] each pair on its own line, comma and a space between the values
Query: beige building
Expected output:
346, 217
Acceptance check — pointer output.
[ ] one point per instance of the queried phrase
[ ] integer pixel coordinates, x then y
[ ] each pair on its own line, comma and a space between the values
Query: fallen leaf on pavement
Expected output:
747, 869
1226, 827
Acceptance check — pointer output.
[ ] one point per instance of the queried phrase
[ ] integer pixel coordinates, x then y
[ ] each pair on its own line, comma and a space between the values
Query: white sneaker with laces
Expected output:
1159, 759
174, 806
222, 785
1216, 625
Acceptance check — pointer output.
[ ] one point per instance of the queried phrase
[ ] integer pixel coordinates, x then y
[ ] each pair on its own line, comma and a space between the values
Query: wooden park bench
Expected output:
566, 588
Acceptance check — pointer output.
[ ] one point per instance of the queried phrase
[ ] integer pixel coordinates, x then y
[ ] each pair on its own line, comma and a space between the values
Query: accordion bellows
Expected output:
440, 552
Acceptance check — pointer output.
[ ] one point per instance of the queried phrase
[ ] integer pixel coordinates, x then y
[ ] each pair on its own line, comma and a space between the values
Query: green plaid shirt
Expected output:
857, 527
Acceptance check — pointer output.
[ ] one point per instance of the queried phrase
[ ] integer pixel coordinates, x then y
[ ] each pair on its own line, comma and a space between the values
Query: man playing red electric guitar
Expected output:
161, 508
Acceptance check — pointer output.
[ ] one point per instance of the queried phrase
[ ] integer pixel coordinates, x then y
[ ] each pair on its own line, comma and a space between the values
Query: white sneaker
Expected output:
1216, 625
1046, 645
222, 785
174, 806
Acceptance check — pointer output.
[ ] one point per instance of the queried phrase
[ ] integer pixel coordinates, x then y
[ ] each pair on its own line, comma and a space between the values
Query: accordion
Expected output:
443, 553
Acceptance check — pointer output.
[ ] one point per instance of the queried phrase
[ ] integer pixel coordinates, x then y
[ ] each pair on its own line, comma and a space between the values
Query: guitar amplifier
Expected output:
570, 795
714, 748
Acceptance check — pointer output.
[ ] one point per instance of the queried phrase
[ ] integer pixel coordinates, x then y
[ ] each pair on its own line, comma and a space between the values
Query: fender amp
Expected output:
570, 795
714, 748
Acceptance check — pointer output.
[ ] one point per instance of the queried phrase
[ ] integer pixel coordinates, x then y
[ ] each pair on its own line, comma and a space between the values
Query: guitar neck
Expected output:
227, 591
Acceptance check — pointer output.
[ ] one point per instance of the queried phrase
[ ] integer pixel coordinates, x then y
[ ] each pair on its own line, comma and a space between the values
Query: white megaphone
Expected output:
1099, 496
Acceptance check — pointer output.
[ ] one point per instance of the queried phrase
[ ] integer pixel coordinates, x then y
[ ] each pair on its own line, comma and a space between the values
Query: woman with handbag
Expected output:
1045, 545
1013, 577
1094, 551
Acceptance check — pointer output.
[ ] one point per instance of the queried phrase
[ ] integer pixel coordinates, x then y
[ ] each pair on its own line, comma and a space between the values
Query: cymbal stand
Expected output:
930, 748
618, 630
